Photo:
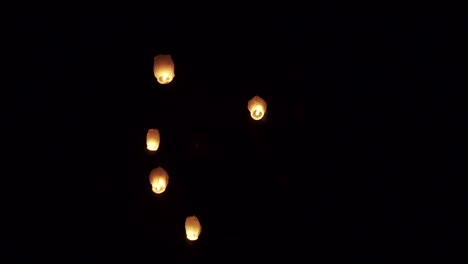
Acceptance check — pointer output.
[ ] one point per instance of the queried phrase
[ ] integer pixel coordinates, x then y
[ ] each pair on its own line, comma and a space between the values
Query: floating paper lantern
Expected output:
257, 107
152, 139
163, 68
159, 180
192, 227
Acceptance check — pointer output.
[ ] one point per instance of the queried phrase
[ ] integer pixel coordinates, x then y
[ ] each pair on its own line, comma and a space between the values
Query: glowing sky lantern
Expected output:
257, 107
153, 139
159, 180
192, 227
163, 69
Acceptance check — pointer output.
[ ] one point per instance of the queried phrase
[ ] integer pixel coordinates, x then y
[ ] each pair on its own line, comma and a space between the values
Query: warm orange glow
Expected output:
163, 69
159, 180
257, 107
192, 227
152, 139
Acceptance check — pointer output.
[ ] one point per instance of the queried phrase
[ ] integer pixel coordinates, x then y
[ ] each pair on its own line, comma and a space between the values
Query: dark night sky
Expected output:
358, 158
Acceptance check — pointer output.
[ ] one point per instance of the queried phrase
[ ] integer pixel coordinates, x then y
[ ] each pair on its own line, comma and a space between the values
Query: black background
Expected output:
358, 157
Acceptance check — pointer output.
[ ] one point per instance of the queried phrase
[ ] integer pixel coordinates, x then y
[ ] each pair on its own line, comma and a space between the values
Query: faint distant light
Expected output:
159, 180
152, 139
163, 68
192, 227
257, 107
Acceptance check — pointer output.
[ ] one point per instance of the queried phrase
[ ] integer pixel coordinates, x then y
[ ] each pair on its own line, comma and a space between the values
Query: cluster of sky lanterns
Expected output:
163, 69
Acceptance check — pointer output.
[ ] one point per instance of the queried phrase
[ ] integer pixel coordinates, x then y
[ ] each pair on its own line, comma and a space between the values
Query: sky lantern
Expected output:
192, 227
257, 107
152, 139
163, 69
159, 180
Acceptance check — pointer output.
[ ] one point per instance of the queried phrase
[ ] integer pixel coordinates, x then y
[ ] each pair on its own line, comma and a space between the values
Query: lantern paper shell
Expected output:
159, 180
163, 68
257, 107
192, 227
152, 139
